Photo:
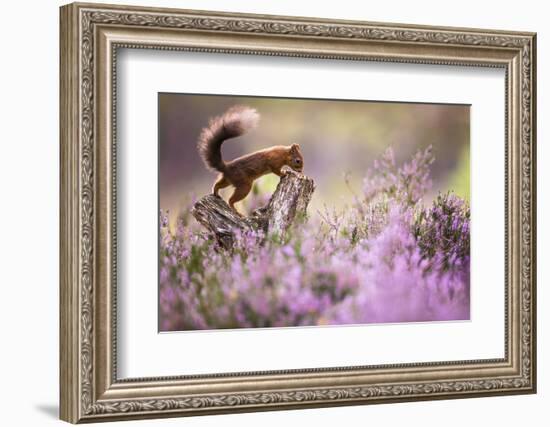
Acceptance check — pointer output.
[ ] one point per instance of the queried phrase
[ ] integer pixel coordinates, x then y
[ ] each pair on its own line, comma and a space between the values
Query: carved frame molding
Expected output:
90, 37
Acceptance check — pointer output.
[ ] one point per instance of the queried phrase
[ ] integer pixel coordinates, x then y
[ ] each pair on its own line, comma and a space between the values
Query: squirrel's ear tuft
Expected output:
295, 147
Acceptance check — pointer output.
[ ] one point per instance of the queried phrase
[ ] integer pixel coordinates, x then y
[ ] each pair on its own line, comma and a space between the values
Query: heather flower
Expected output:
443, 230
406, 184
388, 258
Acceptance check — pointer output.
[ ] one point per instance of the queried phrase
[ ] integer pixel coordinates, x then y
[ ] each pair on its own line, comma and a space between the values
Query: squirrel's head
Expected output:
295, 158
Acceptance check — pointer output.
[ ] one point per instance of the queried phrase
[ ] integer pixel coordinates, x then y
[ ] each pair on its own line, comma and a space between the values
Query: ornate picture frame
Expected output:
90, 37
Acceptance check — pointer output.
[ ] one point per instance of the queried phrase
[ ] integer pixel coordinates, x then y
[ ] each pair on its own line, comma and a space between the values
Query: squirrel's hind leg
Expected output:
240, 193
220, 183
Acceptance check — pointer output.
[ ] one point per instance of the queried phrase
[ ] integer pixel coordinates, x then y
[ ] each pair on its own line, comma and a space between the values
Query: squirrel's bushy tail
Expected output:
234, 122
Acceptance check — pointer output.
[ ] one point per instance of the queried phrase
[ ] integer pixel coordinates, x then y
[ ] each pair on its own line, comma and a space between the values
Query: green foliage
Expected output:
459, 179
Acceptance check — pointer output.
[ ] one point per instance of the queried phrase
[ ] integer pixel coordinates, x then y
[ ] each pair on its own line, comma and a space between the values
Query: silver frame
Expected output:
90, 37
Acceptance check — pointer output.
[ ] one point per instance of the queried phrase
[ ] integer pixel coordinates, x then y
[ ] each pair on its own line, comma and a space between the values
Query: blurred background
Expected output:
339, 141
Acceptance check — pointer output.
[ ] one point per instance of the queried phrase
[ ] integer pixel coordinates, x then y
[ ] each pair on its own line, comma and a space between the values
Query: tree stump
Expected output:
288, 203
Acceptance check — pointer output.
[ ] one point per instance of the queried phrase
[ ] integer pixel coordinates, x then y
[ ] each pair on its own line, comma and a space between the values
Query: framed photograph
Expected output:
266, 212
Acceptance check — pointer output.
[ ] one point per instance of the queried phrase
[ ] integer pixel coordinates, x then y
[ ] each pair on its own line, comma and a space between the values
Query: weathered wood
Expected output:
217, 217
288, 203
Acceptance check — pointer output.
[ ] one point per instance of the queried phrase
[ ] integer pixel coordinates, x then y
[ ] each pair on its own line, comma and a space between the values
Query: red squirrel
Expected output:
242, 171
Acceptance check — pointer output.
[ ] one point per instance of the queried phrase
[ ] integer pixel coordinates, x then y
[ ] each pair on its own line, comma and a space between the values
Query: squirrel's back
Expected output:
234, 122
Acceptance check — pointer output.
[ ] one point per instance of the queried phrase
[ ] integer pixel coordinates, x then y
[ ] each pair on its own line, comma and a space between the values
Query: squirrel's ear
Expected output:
295, 147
